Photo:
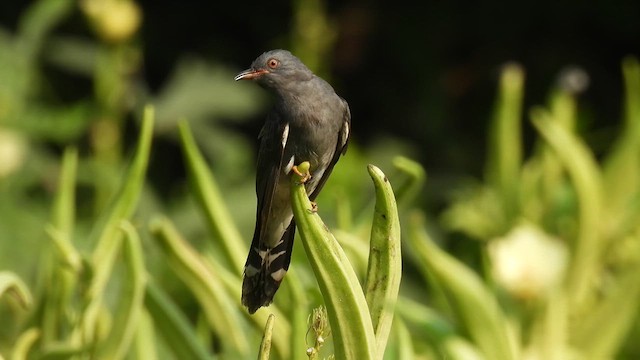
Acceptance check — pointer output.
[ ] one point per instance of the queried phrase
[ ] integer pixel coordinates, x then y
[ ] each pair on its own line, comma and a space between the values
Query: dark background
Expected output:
423, 71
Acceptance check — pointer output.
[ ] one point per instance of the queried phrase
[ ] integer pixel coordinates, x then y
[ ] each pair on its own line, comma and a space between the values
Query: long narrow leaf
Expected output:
23, 345
11, 283
283, 343
297, 312
347, 307
60, 281
64, 204
129, 308
209, 197
416, 176
585, 176
385, 260
438, 330
477, 308
106, 231
602, 330
265, 346
38, 21
505, 147
219, 309
146, 340
173, 326
126, 200
404, 343
621, 168
549, 338
63, 351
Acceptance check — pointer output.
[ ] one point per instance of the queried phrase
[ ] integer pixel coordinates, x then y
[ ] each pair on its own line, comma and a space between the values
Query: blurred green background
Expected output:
421, 78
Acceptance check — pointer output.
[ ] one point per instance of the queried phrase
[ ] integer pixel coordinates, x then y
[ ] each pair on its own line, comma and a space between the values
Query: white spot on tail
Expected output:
273, 257
250, 271
266, 256
278, 275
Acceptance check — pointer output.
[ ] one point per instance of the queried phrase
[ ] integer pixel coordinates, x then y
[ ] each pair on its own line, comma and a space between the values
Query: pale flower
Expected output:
114, 20
13, 150
527, 262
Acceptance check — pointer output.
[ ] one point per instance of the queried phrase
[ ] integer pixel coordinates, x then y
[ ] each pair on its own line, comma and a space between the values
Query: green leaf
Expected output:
146, 340
39, 19
210, 198
60, 124
207, 287
63, 265
385, 260
11, 284
297, 313
416, 177
403, 349
125, 201
24, 344
505, 147
550, 189
106, 232
476, 306
173, 326
586, 178
434, 325
621, 168
62, 351
550, 332
437, 331
357, 249
283, 343
265, 346
77, 55
347, 307
602, 330
129, 310
64, 203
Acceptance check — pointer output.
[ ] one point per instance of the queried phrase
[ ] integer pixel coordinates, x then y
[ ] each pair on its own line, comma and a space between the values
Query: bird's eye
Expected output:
273, 63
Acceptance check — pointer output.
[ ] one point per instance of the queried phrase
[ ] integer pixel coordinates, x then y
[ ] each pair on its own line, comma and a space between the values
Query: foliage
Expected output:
106, 257
560, 200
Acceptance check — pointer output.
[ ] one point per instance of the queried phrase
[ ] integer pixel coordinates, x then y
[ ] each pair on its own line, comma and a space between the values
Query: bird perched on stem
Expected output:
309, 122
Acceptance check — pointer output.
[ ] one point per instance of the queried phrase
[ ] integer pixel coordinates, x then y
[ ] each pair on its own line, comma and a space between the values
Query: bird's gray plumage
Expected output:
309, 122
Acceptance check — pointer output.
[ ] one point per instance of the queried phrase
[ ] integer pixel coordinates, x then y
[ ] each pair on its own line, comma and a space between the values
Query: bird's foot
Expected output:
314, 208
303, 177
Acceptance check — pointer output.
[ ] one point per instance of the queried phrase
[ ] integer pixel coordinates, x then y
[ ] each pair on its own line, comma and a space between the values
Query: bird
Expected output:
309, 122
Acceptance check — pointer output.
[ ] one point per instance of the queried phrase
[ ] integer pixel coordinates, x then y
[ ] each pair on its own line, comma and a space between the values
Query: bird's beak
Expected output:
250, 74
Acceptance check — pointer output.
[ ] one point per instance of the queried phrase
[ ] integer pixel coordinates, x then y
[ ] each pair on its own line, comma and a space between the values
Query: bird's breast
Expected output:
314, 115
311, 142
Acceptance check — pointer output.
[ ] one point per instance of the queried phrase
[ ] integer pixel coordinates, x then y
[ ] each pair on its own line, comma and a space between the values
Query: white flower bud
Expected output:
13, 150
114, 20
527, 262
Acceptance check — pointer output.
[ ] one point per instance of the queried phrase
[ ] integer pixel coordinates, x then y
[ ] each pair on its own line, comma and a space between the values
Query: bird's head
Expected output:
276, 69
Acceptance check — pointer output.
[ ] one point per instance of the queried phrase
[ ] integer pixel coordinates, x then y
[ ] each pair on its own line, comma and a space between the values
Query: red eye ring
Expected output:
273, 63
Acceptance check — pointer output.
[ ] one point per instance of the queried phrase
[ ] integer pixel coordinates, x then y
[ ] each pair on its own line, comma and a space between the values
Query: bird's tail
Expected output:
264, 270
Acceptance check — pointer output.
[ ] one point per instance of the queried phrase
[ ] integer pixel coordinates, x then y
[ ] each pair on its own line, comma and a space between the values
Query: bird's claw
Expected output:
314, 208
303, 177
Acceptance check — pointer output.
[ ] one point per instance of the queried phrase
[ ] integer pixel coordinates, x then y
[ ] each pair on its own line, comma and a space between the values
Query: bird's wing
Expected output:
259, 284
341, 147
268, 172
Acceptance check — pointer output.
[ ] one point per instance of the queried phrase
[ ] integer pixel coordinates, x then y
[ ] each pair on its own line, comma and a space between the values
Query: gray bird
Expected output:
309, 122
